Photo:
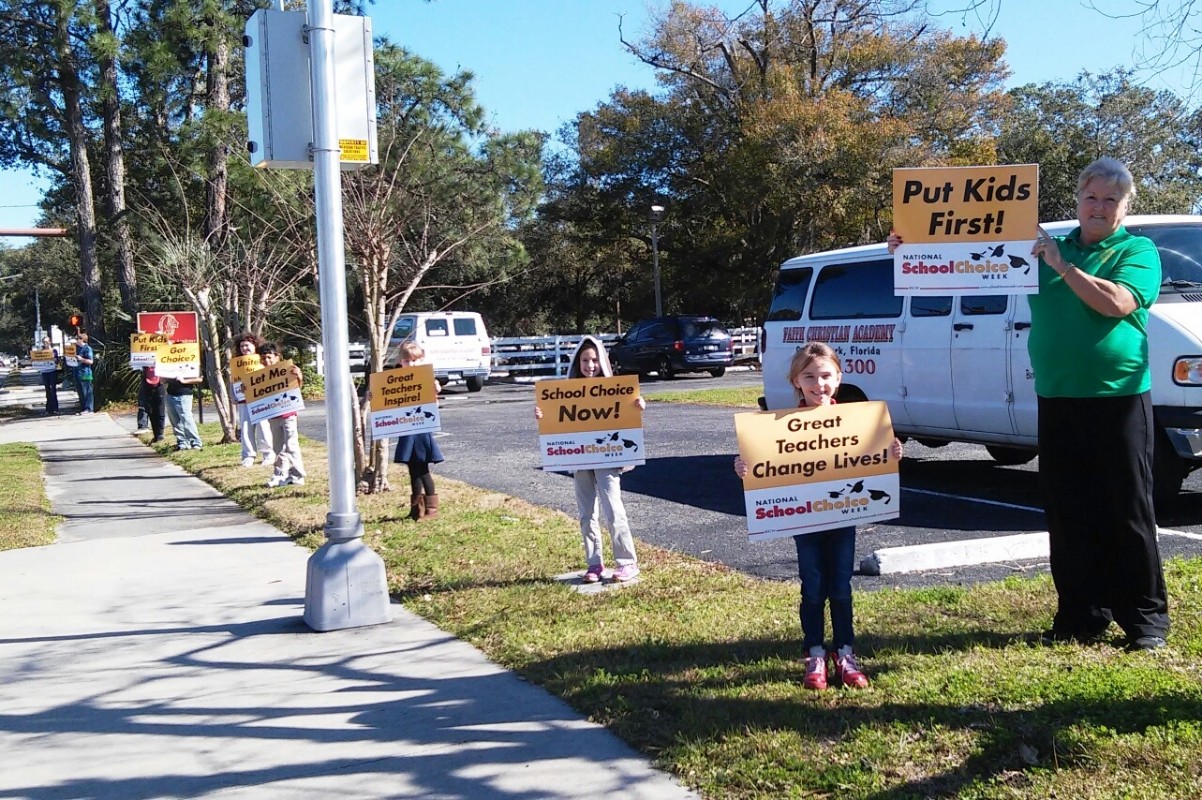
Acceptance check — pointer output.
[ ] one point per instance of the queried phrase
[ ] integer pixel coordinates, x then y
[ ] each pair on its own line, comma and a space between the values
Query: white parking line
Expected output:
981, 500
1185, 534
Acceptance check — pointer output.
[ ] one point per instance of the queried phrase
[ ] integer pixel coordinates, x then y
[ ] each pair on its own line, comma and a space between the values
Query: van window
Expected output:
935, 305
702, 329
464, 326
981, 304
856, 291
1180, 247
403, 329
436, 327
790, 295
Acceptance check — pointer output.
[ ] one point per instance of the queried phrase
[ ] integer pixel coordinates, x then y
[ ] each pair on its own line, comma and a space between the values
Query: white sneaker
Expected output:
294, 481
276, 481
268, 460
248, 462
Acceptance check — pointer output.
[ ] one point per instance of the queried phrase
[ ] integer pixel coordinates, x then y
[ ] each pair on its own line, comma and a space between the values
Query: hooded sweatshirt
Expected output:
602, 356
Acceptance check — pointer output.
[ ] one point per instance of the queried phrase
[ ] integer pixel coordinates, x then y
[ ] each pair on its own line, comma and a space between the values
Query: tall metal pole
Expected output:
345, 585
659, 302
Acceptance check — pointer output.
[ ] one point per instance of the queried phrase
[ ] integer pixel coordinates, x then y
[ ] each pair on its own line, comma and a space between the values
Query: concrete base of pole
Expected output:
345, 587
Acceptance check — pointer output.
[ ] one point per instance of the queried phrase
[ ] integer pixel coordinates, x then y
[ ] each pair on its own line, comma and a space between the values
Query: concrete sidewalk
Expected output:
158, 650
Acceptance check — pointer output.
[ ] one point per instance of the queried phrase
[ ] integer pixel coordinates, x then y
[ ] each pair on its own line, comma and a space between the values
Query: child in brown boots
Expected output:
418, 451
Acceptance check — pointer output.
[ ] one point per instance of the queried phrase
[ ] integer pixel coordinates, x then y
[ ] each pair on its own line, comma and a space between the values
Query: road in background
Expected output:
687, 497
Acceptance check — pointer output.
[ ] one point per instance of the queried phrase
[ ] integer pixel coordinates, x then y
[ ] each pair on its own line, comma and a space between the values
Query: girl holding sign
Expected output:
591, 361
418, 451
825, 559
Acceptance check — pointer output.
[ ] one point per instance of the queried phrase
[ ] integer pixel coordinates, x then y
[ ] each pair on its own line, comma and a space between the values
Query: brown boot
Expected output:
415, 507
431, 507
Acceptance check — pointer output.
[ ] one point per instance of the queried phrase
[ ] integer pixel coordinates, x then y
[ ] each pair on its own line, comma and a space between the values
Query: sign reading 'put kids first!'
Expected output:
814, 469
404, 401
966, 230
590, 423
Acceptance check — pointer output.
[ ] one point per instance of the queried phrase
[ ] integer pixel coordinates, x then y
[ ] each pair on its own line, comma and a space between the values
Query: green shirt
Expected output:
1077, 352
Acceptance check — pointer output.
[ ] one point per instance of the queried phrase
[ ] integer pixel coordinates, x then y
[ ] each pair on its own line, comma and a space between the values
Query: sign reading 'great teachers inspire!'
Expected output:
590, 423
966, 230
814, 469
404, 401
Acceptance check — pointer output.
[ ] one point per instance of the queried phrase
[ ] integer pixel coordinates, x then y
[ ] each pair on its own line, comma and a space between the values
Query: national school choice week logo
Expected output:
419, 414
851, 499
610, 444
981, 262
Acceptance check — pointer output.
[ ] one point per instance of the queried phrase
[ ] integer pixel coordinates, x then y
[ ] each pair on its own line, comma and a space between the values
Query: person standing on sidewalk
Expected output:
50, 379
152, 399
289, 465
248, 344
179, 412
84, 357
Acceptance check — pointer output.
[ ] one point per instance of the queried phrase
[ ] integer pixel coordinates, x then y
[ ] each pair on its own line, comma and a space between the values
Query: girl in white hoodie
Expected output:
601, 486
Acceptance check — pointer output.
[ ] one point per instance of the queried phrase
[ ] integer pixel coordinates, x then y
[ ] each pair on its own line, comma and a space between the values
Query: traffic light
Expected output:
76, 320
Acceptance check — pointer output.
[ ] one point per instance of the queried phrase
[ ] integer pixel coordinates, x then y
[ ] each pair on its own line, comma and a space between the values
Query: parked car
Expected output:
456, 343
670, 345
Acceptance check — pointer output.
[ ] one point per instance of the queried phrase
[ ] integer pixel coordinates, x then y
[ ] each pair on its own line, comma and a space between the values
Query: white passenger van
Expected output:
957, 369
456, 343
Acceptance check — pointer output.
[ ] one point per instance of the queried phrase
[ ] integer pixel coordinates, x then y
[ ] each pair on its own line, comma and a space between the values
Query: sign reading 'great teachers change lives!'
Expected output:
272, 391
404, 401
966, 230
814, 469
590, 423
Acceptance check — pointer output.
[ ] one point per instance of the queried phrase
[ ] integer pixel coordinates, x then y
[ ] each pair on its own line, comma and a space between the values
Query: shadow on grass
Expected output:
652, 697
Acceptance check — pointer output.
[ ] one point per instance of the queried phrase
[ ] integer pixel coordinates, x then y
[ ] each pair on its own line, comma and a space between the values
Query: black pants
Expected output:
1095, 467
152, 399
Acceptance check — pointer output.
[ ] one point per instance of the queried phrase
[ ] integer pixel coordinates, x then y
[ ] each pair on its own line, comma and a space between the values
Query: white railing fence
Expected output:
529, 356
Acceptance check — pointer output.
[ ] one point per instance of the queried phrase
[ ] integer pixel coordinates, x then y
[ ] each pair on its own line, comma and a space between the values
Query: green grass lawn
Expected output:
697, 665
25, 518
742, 397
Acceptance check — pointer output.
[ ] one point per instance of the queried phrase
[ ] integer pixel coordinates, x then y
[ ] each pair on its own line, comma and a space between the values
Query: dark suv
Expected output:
668, 345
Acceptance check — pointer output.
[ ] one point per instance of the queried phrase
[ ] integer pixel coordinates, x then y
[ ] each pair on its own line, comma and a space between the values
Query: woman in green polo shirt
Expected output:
1089, 351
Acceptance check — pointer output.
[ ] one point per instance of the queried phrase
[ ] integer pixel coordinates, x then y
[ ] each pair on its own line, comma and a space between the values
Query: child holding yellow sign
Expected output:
418, 451
825, 559
591, 361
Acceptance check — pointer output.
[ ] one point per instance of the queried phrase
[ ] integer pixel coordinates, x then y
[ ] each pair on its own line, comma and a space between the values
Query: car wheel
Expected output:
665, 369
1009, 456
474, 383
718, 372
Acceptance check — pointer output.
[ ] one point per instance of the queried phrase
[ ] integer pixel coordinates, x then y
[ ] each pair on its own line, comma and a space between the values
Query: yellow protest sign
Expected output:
179, 360
69, 355
240, 367
42, 360
966, 230
813, 469
404, 400
144, 349
590, 423
272, 391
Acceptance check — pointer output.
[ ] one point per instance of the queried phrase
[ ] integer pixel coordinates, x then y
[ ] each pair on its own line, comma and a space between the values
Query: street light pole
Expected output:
657, 213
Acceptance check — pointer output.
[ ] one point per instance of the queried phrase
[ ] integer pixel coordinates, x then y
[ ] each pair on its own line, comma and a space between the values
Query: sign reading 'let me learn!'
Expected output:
966, 230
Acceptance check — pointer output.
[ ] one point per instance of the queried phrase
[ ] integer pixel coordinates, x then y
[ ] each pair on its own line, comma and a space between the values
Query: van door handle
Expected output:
1021, 326
962, 326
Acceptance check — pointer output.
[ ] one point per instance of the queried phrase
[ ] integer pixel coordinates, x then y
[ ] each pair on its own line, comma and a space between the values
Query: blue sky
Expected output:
540, 62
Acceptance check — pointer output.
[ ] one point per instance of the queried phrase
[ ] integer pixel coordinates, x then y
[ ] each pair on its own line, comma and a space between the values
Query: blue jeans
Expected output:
84, 389
825, 560
179, 413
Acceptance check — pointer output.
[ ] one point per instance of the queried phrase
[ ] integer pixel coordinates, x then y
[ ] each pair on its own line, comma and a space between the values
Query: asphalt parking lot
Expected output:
687, 498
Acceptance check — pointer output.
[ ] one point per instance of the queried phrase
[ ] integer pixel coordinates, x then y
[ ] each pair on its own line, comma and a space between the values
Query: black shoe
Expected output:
1053, 636
1148, 643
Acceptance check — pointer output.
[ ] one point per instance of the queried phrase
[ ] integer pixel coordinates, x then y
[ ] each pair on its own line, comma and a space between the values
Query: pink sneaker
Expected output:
847, 670
815, 672
626, 572
594, 573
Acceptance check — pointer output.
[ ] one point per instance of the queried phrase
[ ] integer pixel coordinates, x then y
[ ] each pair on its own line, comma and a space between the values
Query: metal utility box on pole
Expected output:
345, 585
280, 97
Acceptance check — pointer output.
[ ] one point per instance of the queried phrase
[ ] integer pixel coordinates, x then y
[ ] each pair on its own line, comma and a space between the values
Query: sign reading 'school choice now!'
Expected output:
966, 230
814, 469
590, 423
404, 401
272, 391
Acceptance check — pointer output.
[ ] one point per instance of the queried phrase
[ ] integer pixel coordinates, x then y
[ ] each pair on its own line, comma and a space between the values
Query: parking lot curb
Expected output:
964, 553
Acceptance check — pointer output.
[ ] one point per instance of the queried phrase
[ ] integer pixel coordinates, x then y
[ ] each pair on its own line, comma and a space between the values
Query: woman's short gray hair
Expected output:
1110, 171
